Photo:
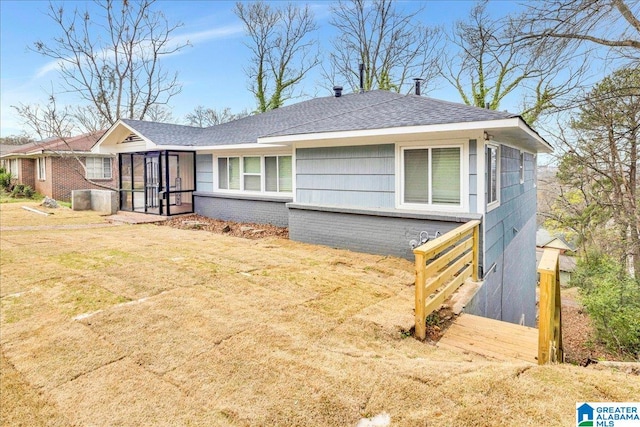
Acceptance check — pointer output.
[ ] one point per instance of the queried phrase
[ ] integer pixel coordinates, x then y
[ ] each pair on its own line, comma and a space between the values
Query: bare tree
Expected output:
51, 122
614, 24
205, 117
393, 46
113, 60
283, 50
492, 64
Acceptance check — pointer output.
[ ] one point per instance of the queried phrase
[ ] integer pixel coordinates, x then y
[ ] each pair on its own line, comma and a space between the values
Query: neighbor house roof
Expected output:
544, 239
373, 110
81, 143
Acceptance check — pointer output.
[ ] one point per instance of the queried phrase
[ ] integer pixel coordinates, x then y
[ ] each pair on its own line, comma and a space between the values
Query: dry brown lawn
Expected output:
156, 326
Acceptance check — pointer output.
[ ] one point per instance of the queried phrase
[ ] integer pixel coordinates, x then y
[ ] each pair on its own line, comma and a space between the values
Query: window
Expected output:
493, 174
41, 163
432, 176
522, 167
13, 168
276, 171
229, 173
98, 167
252, 174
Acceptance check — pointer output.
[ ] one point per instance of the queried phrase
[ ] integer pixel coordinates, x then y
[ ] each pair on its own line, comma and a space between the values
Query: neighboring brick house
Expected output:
55, 167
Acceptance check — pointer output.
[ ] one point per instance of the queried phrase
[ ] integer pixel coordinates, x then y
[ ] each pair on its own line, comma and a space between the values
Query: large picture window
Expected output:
98, 167
432, 176
492, 156
256, 173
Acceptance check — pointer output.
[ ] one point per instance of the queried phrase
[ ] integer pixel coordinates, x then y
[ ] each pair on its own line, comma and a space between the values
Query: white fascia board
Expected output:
510, 123
149, 145
405, 130
545, 146
213, 148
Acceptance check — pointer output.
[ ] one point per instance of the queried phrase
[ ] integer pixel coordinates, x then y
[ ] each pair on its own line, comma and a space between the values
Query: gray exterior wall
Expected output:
361, 176
255, 209
204, 172
372, 231
509, 262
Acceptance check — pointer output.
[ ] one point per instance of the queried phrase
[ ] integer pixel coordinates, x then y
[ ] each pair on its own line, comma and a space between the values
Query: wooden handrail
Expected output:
550, 348
442, 265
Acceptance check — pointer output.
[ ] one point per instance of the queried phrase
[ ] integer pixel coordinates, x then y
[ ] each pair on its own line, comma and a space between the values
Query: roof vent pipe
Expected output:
337, 91
361, 78
417, 85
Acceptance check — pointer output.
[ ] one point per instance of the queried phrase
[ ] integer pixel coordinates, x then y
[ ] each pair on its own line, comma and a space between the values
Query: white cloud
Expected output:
212, 34
193, 37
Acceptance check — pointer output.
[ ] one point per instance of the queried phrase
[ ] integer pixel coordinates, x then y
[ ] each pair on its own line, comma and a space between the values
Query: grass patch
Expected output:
224, 331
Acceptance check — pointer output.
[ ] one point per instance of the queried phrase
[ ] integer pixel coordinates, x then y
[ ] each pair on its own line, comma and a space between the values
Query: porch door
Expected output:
152, 183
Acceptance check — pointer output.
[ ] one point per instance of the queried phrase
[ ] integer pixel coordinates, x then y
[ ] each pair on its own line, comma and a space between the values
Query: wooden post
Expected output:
549, 332
421, 318
475, 249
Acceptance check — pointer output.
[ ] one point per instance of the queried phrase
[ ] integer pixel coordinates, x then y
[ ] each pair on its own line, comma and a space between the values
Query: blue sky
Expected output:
211, 70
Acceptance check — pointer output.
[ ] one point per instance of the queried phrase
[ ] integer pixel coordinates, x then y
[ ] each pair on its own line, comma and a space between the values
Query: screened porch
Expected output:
157, 182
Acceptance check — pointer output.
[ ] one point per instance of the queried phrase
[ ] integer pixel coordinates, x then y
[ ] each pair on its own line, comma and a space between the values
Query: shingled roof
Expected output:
376, 109
79, 143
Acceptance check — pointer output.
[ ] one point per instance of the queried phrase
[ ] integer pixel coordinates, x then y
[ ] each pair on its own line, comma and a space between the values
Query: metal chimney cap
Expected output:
337, 90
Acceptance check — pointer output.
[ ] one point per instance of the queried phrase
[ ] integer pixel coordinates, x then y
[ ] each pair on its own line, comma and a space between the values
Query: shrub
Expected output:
21, 190
612, 299
5, 180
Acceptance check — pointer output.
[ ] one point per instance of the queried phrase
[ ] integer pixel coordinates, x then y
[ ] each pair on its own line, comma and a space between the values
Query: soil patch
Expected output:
230, 228
578, 335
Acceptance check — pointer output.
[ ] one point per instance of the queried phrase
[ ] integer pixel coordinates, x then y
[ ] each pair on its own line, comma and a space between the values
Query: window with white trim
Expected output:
432, 176
13, 168
521, 167
492, 157
251, 174
256, 173
98, 167
229, 173
41, 164
278, 174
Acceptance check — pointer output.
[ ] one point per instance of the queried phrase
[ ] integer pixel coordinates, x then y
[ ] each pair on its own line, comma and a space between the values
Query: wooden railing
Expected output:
550, 348
442, 265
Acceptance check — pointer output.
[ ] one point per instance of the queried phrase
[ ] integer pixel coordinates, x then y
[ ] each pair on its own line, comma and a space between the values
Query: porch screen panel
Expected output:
285, 173
445, 163
125, 172
416, 176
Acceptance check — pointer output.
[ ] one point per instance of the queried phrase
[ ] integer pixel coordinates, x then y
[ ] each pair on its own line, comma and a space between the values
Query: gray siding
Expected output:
509, 289
204, 172
361, 176
364, 231
259, 210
